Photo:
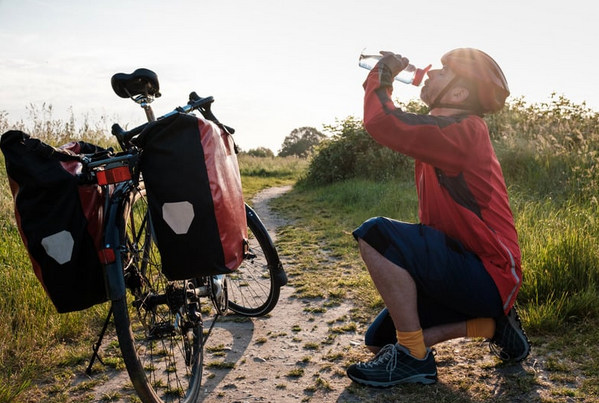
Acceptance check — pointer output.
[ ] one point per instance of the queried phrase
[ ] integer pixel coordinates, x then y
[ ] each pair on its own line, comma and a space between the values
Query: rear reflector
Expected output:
106, 256
113, 175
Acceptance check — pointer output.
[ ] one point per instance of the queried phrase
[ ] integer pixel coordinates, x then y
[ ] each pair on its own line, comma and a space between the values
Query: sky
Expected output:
277, 65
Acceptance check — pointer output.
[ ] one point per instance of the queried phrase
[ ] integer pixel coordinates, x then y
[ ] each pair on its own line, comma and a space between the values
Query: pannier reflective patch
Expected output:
59, 246
178, 216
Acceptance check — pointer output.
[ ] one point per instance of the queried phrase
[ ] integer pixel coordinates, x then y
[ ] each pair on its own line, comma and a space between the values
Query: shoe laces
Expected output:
388, 354
499, 351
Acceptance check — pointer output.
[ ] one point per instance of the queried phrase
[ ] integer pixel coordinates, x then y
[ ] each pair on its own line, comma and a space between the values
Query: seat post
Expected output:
144, 101
149, 112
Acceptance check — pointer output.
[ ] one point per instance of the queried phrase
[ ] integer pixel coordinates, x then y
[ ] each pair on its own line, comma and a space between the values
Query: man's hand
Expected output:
394, 62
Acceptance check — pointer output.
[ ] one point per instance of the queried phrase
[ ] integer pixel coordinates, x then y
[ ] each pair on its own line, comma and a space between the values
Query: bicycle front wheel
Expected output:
254, 288
158, 322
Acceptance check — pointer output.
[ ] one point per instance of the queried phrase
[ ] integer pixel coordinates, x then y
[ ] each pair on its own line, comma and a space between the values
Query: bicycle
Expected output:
159, 322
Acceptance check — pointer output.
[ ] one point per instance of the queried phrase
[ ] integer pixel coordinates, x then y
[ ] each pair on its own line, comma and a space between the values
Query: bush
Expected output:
352, 153
547, 149
261, 152
550, 149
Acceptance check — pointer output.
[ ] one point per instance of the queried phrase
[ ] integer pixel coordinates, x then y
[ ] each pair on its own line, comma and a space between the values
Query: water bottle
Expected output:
410, 75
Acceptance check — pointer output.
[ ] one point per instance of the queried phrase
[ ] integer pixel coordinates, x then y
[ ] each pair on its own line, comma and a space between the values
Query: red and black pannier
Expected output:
59, 218
190, 170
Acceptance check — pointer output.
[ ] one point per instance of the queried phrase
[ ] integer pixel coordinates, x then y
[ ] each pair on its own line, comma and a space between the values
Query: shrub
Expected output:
352, 153
261, 152
548, 149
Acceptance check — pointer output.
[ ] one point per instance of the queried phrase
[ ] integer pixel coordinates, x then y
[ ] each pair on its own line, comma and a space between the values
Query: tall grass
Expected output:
41, 123
33, 337
560, 262
549, 153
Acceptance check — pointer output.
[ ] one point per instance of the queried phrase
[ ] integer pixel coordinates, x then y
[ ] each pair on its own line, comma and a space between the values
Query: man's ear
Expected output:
459, 94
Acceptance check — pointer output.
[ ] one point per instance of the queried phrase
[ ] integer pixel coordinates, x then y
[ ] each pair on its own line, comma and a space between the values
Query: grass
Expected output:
329, 214
259, 173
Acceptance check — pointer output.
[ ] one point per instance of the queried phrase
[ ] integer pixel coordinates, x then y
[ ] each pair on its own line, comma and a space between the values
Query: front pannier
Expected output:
195, 198
59, 219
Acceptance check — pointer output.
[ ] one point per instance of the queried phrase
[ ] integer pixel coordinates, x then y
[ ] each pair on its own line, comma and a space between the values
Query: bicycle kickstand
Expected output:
96, 346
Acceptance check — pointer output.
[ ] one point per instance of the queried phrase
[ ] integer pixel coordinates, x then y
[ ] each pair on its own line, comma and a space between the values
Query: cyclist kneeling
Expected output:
457, 274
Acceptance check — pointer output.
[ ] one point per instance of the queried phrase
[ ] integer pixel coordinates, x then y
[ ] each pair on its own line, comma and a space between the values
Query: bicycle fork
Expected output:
113, 270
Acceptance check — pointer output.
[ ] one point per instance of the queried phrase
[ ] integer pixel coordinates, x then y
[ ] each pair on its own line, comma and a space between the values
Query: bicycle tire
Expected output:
161, 347
254, 288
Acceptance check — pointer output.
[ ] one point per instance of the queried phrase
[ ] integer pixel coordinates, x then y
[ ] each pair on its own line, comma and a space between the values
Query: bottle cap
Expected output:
419, 75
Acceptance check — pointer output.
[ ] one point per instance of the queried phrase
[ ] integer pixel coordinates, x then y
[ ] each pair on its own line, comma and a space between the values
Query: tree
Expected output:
301, 142
262, 152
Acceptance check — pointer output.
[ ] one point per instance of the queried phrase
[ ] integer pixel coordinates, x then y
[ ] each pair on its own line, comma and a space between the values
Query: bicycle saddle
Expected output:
140, 82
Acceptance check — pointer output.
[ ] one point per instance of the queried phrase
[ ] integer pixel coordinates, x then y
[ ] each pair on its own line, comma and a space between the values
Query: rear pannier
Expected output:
59, 218
195, 198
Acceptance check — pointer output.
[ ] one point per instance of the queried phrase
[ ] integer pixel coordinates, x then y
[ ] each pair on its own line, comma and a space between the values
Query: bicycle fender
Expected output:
115, 283
113, 270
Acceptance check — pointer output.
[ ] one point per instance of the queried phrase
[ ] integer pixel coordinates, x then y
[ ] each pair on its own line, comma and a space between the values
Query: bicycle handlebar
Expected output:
195, 103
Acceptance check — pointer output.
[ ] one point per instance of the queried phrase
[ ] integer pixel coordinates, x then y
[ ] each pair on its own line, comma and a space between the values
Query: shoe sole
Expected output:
423, 379
514, 321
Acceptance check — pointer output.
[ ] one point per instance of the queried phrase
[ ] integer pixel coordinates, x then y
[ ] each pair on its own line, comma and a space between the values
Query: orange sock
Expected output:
480, 327
414, 342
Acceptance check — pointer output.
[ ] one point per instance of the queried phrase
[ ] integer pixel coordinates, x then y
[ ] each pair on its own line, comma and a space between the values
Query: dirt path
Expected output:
280, 358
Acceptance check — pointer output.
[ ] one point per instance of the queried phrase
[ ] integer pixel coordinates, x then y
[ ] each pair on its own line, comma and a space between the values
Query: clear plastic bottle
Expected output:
410, 75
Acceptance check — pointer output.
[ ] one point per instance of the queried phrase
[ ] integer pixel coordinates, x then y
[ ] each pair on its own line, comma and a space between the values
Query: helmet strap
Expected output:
438, 104
464, 107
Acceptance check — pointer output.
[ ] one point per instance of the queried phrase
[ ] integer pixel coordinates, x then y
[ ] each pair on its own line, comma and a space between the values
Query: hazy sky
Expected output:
276, 65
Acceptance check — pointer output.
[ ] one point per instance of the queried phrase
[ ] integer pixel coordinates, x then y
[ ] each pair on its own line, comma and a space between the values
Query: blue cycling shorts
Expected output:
452, 283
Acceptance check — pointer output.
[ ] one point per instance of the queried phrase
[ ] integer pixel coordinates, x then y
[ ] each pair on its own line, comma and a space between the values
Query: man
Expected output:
457, 273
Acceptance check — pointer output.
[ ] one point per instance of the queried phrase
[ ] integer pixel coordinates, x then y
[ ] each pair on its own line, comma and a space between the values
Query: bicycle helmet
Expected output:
479, 68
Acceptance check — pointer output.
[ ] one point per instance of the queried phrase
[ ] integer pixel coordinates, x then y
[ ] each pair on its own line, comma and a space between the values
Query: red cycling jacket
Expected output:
461, 189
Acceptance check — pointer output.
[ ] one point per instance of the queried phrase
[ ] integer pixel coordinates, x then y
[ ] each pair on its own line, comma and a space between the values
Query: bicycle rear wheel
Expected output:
254, 288
158, 322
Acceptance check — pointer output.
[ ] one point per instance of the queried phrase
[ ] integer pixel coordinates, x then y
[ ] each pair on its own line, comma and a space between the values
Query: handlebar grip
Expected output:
122, 134
117, 130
